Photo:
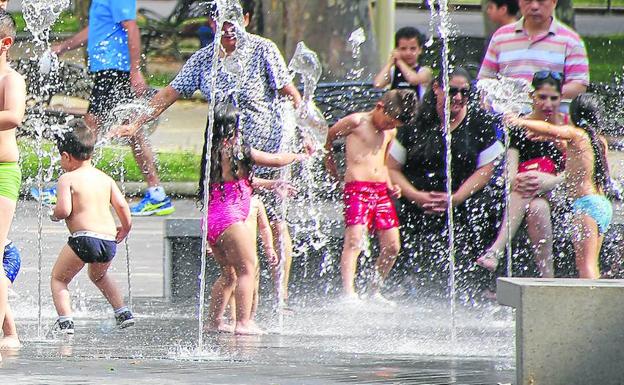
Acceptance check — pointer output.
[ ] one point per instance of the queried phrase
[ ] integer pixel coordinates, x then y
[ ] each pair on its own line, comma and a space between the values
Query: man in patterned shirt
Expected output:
253, 74
538, 42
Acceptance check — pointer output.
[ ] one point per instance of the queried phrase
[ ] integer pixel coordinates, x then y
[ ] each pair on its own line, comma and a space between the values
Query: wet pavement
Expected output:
319, 344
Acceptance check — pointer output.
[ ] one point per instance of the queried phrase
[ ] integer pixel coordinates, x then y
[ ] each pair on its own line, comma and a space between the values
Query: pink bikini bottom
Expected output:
229, 203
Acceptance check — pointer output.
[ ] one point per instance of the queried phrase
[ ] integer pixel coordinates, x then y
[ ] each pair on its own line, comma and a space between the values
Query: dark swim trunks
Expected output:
92, 247
11, 261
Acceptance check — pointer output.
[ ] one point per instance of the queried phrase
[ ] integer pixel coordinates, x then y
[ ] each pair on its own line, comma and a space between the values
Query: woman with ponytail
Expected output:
587, 176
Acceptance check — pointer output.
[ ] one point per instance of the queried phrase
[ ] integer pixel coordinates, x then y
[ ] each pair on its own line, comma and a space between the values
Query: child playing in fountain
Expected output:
587, 176
367, 183
257, 221
12, 107
85, 195
403, 71
231, 240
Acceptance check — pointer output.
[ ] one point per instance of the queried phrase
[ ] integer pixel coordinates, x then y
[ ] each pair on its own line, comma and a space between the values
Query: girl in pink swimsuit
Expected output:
229, 201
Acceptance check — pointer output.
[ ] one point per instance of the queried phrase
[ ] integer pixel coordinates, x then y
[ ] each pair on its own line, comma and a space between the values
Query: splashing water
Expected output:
357, 38
306, 63
40, 16
506, 95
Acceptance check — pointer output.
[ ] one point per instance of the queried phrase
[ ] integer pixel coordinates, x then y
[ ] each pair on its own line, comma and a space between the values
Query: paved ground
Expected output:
327, 344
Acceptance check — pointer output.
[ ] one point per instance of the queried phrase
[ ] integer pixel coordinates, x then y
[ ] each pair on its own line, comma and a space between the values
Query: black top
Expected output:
399, 82
425, 165
529, 149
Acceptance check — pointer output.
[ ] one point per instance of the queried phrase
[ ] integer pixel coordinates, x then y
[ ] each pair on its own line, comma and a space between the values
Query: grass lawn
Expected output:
172, 166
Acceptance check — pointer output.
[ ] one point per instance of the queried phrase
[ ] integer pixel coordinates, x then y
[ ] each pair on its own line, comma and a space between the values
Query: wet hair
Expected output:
7, 25
538, 82
409, 33
400, 104
512, 6
78, 140
586, 113
225, 136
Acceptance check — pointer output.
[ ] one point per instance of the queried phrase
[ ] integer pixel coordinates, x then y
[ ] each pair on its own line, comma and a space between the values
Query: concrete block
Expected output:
568, 331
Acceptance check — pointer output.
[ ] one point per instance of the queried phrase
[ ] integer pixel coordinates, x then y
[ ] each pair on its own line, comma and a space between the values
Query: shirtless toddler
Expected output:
367, 183
85, 195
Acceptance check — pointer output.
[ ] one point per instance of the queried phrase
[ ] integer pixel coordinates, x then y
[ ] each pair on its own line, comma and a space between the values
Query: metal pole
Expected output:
385, 11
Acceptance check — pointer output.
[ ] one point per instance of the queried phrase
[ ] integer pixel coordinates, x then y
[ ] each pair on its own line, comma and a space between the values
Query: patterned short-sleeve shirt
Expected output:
254, 89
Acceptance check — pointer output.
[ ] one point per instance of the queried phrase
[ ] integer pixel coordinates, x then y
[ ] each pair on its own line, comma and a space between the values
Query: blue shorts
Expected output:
92, 247
596, 206
11, 261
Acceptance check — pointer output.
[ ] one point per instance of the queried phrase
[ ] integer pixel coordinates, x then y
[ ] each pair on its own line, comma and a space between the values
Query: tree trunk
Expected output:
325, 27
565, 12
81, 10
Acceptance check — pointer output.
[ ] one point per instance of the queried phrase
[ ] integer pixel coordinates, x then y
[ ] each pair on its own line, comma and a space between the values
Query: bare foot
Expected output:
219, 328
249, 328
489, 260
10, 342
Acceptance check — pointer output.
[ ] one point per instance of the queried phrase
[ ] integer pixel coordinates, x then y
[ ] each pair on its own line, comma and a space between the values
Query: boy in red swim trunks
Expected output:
367, 186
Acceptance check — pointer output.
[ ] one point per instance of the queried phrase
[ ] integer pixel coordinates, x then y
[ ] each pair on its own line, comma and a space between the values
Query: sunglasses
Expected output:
543, 75
465, 92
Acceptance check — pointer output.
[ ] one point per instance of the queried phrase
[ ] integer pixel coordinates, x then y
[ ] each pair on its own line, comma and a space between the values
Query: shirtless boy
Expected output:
12, 107
367, 202
85, 195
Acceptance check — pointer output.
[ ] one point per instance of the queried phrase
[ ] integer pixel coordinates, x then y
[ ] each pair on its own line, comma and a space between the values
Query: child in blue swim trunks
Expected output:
85, 195
11, 262
587, 176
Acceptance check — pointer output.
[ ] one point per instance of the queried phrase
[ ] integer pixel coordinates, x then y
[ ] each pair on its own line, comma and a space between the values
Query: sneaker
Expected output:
149, 206
124, 319
46, 196
65, 327
381, 300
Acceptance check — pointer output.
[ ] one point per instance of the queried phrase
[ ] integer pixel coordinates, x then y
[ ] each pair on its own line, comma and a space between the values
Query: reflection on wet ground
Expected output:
319, 345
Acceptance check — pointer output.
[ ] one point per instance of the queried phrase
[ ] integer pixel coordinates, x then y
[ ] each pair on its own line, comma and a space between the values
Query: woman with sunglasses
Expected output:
417, 163
536, 168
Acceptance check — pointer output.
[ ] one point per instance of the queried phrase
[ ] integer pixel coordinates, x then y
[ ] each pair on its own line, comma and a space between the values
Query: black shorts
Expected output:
110, 89
92, 249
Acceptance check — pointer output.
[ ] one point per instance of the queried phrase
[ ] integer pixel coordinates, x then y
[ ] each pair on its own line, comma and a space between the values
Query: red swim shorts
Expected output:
368, 203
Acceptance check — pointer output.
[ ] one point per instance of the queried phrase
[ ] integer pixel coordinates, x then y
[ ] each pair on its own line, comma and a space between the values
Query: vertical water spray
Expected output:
230, 11
357, 38
444, 32
40, 15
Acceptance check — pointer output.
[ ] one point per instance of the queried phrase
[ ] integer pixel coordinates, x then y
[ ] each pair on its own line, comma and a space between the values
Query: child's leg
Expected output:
65, 269
351, 250
284, 248
10, 339
221, 293
587, 243
539, 225
517, 209
240, 250
254, 305
390, 245
98, 274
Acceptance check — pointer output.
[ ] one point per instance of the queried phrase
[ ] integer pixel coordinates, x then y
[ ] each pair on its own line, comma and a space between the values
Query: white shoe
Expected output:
381, 300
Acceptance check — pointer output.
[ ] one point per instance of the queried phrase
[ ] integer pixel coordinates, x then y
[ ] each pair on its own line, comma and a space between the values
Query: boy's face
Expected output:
409, 50
495, 13
382, 121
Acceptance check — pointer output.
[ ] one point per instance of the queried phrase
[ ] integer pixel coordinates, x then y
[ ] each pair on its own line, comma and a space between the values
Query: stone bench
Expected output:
568, 331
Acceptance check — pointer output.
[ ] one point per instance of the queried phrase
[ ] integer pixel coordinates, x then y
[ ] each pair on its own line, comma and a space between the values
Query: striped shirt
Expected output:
512, 53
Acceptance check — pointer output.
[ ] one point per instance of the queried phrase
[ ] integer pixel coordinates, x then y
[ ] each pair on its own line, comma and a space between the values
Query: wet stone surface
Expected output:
320, 344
